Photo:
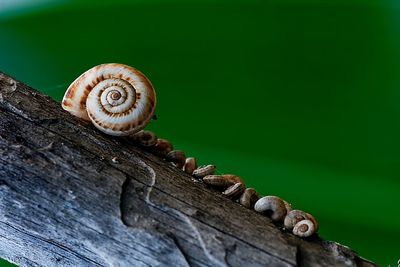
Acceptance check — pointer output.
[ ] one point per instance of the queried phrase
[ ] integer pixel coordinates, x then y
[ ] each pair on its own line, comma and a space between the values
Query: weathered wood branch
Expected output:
63, 202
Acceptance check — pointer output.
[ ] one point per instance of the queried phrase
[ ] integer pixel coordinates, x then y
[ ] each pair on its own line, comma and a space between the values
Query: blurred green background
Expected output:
301, 98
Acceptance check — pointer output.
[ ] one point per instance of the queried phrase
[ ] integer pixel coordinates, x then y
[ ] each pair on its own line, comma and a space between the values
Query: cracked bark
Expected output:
63, 202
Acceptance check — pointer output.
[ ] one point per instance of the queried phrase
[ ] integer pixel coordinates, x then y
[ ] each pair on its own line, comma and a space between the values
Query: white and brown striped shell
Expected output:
117, 98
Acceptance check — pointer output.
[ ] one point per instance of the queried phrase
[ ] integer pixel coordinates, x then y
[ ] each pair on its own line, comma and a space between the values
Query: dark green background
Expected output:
300, 98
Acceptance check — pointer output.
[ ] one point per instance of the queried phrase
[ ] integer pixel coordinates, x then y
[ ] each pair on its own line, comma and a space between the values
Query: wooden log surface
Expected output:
64, 202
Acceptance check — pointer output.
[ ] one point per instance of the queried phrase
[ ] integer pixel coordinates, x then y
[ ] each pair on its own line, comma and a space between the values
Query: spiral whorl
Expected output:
118, 99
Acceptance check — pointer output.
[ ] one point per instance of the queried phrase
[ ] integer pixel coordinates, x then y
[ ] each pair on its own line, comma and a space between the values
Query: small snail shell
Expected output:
145, 138
217, 181
304, 228
177, 157
162, 147
222, 181
272, 206
249, 198
118, 99
293, 217
204, 170
190, 165
234, 191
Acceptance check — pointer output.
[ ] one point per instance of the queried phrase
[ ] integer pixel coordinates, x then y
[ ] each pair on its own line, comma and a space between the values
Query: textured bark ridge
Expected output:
64, 202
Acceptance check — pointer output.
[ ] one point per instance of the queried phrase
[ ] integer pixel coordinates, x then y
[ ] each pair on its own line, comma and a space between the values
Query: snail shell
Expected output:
162, 147
177, 157
190, 165
145, 138
204, 170
222, 181
217, 180
273, 206
304, 228
249, 198
234, 191
118, 99
293, 217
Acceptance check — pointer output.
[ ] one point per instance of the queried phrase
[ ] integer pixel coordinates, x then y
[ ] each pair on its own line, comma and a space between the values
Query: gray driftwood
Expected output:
63, 202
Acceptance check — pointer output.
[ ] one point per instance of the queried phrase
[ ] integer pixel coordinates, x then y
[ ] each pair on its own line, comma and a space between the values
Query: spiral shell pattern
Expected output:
117, 98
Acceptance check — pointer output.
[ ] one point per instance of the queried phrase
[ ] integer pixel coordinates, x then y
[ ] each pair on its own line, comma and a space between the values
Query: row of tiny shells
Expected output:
232, 186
